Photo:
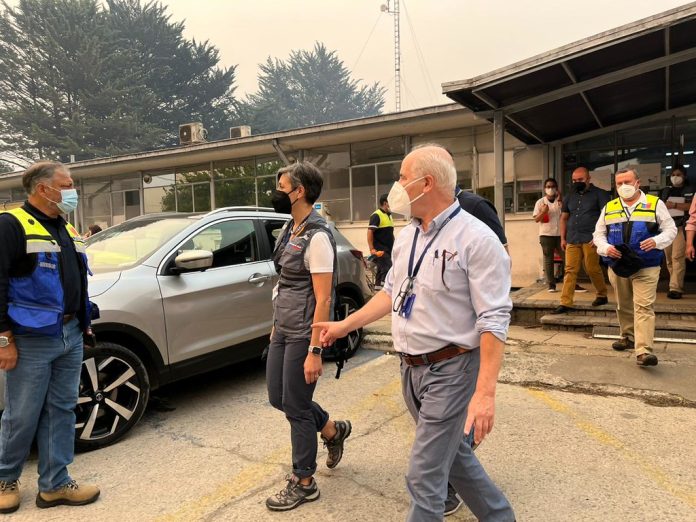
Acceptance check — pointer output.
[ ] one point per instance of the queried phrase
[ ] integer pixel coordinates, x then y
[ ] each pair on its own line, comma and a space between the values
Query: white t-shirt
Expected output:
319, 256
553, 226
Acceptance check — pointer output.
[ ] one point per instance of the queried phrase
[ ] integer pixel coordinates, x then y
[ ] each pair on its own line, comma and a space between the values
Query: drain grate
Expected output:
662, 336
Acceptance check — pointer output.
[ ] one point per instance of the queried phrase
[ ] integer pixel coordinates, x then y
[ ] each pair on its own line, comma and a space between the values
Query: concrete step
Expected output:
586, 323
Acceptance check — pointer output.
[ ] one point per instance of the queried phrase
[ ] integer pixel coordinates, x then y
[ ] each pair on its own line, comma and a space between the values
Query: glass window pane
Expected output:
118, 208
375, 151
192, 174
363, 194
528, 192
386, 176
97, 209
266, 186
235, 192
96, 186
201, 197
231, 242
18, 194
158, 179
334, 164
184, 198
268, 166
234, 169
132, 198
159, 199
126, 182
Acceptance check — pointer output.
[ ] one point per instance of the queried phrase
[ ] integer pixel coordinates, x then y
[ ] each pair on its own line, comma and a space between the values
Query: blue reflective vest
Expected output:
641, 225
35, 302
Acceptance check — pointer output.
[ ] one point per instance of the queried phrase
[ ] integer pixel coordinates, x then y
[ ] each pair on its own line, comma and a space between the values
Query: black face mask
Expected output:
579, 186
281, 201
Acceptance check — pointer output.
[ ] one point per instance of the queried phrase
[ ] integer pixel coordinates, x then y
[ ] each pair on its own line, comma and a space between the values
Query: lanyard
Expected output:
413, 272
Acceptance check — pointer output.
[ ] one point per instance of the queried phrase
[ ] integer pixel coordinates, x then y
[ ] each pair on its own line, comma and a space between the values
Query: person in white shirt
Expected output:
547, 212
631, 233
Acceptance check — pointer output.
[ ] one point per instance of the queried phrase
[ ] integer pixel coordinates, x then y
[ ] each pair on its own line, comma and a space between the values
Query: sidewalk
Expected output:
573, 361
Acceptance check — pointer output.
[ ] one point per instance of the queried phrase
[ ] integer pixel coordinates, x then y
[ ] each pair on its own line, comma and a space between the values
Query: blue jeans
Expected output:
40, 399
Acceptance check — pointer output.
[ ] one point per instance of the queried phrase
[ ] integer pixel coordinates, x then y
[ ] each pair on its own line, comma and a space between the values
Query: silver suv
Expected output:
181, 294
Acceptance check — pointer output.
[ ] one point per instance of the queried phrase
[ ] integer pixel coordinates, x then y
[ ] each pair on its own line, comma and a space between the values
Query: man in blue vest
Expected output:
630, 235
380, 239
44, 315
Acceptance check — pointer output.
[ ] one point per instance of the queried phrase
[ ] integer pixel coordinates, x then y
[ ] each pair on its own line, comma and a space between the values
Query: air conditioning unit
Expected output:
190, 133
240, 132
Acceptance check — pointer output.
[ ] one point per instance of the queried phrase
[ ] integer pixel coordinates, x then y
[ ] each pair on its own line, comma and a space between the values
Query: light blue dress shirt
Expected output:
454, 306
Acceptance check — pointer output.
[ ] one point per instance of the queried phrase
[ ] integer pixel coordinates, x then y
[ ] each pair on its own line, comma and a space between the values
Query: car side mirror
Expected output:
192, 260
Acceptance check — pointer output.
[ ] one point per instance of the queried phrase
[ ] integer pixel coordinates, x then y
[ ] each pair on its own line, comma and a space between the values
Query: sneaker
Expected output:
646, 359
453, 501
9, 496
552, 287
623, 344
335, 445
293, 495
673, 294
579, 289
71, 494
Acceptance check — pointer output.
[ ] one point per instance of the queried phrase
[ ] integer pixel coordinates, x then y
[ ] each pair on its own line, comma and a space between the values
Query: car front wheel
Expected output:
114, 389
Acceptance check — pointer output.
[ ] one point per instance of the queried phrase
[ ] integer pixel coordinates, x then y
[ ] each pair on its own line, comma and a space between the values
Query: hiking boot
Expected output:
293, 495
453, 501
70, 494
9, 496
623, 344
335, 445
646, 359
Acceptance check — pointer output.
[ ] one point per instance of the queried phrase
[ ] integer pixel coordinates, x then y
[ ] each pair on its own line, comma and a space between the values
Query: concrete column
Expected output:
499, 163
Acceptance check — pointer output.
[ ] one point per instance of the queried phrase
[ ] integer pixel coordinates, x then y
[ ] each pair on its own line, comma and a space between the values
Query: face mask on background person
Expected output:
579, 186
398, 199
550, 191
627, 191
281, 201
68, 200
677, 181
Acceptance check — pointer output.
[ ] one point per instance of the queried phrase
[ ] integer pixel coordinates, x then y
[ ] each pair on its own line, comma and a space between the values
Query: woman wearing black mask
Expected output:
547, 212
305, 259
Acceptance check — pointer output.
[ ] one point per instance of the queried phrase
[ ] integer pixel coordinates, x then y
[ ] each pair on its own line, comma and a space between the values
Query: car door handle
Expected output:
258, 278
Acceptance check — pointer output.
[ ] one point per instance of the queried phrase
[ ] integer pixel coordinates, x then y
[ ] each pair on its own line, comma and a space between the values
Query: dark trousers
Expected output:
549, 244
383, 263
288, 392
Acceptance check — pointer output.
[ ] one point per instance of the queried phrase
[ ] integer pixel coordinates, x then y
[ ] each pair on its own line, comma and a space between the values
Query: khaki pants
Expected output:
676, 262
574, 255
635, 298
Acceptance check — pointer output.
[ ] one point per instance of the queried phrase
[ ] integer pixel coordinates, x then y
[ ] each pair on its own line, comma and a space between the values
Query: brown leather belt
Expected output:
68, 317
442, 354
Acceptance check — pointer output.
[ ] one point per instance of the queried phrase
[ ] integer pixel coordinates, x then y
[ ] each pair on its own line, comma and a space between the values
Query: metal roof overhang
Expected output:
624, 76
414, 122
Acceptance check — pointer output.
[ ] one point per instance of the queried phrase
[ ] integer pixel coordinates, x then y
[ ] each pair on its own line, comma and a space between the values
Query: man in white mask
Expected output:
677, 197
448, 293
631, 233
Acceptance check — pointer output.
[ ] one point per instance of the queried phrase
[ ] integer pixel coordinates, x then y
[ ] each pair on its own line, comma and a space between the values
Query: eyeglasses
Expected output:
404, 291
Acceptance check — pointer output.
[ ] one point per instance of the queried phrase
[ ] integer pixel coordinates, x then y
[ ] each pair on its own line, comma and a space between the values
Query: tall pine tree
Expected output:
310, 88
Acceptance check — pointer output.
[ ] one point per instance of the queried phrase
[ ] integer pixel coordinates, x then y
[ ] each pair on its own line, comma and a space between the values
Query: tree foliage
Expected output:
80, 79
310, 88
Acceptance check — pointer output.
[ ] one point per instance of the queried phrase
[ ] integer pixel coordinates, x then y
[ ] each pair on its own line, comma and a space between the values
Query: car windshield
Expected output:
128, 244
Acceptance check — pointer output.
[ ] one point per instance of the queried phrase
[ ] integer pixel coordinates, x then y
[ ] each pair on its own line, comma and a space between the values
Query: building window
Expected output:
376, 151
334, 164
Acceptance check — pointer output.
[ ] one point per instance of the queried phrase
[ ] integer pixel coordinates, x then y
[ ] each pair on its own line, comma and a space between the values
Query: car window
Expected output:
273, 228
231, 242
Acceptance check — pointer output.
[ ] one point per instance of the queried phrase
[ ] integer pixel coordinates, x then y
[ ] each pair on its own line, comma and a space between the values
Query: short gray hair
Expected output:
40, 172
626, 171
438, 163
306, 174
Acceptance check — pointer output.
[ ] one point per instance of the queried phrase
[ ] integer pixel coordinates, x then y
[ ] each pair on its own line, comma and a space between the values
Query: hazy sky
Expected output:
457, 39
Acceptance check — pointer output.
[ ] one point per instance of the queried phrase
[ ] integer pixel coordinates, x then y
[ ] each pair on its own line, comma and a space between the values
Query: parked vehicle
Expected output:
178, 295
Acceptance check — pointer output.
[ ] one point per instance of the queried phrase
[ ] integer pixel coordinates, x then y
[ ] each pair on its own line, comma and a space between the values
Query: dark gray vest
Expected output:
293, 308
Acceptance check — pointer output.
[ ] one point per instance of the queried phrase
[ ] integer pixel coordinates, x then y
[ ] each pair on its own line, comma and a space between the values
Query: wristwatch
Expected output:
316, 350
5, 341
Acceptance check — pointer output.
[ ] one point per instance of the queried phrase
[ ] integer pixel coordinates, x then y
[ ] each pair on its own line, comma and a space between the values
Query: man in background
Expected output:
380, 239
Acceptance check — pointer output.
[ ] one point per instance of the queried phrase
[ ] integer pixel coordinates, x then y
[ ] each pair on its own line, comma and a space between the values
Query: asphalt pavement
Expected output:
581, 434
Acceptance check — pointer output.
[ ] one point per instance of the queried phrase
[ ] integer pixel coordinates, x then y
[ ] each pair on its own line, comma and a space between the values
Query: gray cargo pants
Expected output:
438, 395
288, 392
